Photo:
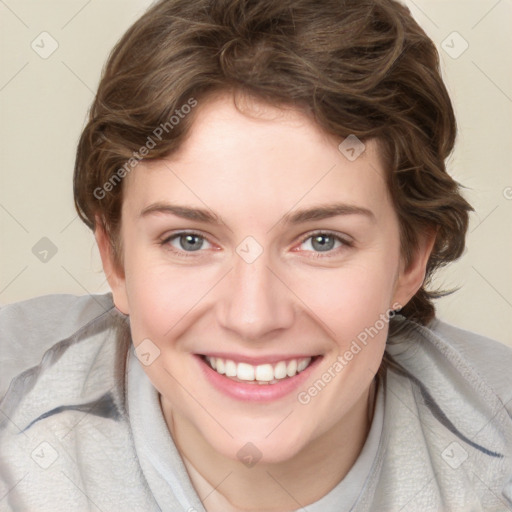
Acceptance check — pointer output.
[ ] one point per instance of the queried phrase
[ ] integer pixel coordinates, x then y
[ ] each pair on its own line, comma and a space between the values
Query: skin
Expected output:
252, 168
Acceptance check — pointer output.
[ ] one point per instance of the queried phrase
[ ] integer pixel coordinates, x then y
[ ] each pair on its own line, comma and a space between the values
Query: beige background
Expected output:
43, 104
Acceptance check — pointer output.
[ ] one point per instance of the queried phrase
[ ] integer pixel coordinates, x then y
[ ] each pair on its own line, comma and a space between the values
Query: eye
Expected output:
324, 242
186, 242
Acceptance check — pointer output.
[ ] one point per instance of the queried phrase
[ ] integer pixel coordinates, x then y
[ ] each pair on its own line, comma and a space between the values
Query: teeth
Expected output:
280, 370
301, 365
291, 369
245, 371
262, 373
230, 368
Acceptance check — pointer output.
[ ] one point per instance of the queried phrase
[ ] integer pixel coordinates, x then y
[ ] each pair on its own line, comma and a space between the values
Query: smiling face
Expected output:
256, 248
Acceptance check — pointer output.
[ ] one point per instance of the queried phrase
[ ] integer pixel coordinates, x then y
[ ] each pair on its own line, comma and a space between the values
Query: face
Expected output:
260, 249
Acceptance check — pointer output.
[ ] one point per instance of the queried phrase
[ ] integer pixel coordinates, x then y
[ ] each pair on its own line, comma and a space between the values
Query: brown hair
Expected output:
361, 67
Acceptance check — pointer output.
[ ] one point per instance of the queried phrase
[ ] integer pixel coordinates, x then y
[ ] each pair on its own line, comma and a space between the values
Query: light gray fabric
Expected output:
71, 439
29, 328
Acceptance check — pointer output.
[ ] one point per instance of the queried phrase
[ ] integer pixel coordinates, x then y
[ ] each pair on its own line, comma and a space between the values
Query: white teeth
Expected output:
245, 371
280, 370
230, 368
262, 373
302, 365
291, 369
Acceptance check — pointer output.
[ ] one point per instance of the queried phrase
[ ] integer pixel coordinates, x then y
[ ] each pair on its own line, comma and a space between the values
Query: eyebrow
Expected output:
313, 213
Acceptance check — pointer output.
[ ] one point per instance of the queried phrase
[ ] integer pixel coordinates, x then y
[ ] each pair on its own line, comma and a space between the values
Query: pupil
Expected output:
323, 243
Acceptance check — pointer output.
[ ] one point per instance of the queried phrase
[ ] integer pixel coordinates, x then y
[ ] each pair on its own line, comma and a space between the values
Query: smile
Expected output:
260, 374
265, 380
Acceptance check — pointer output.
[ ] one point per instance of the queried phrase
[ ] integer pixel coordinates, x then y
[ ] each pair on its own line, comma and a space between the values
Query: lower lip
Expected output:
255, 392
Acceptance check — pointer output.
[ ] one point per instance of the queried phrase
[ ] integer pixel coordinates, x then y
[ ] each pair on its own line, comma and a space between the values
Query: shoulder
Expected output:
52, 314
488, 358
451, 392
463, 379
29, 328
61, 354
63, 418
478, 360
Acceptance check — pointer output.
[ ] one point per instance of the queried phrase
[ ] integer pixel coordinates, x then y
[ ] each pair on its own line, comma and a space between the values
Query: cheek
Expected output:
348, 299
351, 305
163, 295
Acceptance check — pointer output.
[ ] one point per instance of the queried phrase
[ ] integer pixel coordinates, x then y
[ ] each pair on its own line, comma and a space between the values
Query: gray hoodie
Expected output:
81, 427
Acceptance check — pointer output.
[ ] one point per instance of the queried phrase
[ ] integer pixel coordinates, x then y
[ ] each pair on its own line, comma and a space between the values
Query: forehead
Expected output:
258, 157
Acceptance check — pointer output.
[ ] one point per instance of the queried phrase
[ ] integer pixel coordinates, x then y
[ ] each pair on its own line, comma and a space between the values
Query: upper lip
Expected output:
256, 360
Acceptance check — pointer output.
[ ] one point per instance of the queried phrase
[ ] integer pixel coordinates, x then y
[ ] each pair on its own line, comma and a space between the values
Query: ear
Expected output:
115, 275
411, 278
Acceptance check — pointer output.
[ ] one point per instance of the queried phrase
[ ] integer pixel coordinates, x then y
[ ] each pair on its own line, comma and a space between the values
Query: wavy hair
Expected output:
361, 67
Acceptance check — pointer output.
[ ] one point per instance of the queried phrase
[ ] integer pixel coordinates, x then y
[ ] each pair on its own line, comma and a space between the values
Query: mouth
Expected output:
258, 381
265, 374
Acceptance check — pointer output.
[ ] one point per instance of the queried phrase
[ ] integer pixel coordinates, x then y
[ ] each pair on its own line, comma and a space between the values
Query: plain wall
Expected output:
44, 102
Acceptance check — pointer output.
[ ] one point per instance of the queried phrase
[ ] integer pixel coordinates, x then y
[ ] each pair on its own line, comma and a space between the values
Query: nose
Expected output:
256, 303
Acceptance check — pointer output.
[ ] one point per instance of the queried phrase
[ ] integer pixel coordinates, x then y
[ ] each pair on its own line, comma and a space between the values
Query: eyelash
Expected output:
315, 254
345, 244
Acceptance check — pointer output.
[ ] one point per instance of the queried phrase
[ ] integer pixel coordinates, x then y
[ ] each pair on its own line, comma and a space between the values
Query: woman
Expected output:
267, 188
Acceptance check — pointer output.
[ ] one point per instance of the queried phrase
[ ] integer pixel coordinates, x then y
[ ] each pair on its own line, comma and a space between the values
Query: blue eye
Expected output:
187, 242
324, 242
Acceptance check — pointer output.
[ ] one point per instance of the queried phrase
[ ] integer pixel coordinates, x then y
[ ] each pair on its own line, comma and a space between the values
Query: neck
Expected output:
225, 485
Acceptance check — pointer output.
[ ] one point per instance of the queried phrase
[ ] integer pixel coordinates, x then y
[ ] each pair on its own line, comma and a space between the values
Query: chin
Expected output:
269, 446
